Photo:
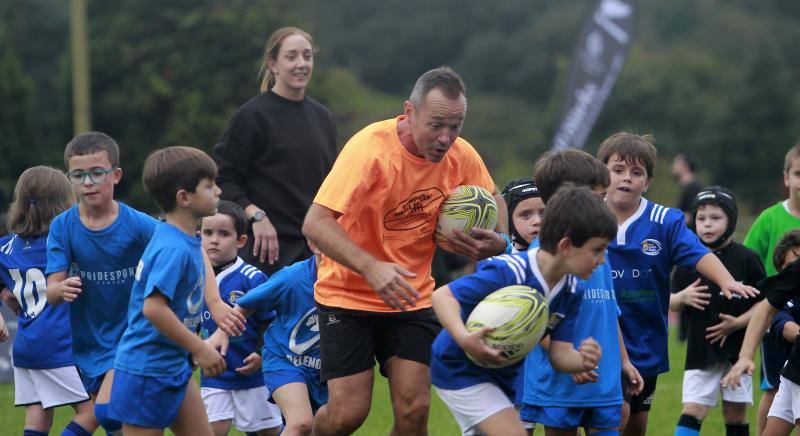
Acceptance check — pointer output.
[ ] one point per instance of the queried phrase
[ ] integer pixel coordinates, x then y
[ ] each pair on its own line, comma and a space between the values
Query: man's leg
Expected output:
410, 388
349, 400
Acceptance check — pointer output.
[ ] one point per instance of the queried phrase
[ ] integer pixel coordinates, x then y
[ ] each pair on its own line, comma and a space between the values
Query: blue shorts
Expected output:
772, 360
573, 417
151, 402
282, 372
91, 384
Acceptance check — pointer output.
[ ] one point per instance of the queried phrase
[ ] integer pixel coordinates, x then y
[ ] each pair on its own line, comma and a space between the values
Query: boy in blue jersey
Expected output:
651, 240
291, 352
573, 238
92, 252
152, 362
45, 376
237, 396
592, 400
714, 322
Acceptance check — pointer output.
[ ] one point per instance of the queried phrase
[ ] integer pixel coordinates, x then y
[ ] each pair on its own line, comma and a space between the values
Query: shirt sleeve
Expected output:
147, 226
492, 274
783, 286
267, 296
259, 279
235, 153
687, 249
757, 238
681, 278
161, 273
58, 251
353, 172
778, 322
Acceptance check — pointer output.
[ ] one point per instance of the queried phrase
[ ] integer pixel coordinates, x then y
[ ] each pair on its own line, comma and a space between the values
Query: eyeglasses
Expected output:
96, 175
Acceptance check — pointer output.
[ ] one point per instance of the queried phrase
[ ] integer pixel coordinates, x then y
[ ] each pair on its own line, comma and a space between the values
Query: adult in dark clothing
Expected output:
276, 151
684, 170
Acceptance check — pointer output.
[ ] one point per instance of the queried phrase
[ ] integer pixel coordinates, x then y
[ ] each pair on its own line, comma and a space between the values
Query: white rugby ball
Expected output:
466, 207
519, 316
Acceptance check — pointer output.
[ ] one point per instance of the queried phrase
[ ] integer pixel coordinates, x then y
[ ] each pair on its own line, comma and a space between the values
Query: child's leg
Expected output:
295, 406
84, 421
192, 419
101, 404
504, 423
135, 430
735, 416
553, 431
38, 419
221, 428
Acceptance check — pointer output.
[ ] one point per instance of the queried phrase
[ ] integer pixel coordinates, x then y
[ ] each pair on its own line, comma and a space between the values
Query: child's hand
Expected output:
632, 381
209, 360
10, 300
252, 364
734, 287
582, 378
473, 344
719, 332
695, 296
742, 366
590, 353
69, 289
229, 320
219, 341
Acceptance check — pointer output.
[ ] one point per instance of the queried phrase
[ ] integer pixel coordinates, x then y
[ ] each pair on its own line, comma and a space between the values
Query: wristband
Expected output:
509, 245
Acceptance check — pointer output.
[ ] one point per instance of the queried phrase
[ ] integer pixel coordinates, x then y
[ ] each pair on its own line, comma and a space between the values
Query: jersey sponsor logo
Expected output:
307, 361
139, 269
195, 299
633, 273
651, 247
235, 295
555, 319
305, 334
597, 294
637, 295
418, 209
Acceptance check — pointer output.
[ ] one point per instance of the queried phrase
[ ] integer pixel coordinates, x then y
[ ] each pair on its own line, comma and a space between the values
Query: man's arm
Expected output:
385, 278
481, 243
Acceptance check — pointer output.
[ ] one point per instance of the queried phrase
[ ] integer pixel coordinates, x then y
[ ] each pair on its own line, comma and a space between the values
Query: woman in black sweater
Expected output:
276, 151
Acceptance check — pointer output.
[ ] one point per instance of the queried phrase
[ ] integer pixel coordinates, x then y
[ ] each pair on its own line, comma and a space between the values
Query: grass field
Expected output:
666, 409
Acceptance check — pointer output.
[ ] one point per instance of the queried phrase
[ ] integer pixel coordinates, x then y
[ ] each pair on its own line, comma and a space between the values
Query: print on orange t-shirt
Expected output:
389, 200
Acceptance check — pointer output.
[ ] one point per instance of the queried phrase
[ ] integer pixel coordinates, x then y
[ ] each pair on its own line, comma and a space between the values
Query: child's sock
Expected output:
688, 426
606, 433
74, 429
737, 429
27, 432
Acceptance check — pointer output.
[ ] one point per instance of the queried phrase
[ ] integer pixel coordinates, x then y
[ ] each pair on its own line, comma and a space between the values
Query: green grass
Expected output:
666, 408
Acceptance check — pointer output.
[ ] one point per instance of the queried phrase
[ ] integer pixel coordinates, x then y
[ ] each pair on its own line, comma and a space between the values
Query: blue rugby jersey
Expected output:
105, 260
450, 366
544, 386
648, 245
173, 265
44, 338
234, 282
293, 335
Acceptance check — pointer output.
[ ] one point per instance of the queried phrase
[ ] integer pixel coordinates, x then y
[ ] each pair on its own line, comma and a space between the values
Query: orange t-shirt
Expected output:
389, 200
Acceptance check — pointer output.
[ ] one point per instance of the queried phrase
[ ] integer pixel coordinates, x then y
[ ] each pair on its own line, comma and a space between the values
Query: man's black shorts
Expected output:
643, 401
351, 340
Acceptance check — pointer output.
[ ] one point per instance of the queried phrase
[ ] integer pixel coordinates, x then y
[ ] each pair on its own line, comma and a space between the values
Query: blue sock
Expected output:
74, 429
688, 426
606, 433
27, 432
737, 429
101, 413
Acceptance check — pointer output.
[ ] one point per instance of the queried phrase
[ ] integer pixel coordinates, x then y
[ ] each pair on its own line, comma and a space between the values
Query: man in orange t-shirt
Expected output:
374, 219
